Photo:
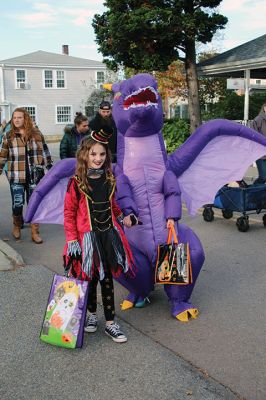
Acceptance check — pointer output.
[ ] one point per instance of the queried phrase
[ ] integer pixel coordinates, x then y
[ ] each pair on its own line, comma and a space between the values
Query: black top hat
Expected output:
103, 134
105, 105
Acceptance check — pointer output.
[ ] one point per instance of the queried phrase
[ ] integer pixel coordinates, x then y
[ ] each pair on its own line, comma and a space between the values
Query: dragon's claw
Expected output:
126, 305
138, 303
184, 316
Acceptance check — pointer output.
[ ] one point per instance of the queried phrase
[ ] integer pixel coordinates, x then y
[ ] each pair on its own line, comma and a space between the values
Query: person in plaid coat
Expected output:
26, 153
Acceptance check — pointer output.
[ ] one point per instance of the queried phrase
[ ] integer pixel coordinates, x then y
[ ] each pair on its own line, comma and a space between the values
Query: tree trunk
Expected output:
193, 86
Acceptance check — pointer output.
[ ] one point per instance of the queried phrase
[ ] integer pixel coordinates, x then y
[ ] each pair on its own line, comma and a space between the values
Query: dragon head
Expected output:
137, 108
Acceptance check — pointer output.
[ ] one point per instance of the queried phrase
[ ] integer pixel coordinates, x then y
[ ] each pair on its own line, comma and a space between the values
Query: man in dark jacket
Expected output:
259, 124
104, 118
73, 136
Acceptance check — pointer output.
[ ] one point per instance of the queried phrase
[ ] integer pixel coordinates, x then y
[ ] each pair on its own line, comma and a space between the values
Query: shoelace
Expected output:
114, 328
92, 319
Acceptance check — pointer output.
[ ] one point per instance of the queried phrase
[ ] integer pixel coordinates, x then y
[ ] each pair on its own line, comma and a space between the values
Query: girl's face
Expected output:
18, 119
96, 156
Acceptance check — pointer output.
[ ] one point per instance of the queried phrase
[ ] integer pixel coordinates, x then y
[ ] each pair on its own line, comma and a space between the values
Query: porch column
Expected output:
246, 102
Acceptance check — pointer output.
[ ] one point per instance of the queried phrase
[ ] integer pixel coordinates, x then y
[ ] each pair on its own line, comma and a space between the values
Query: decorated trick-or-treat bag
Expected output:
64, 319
173, 264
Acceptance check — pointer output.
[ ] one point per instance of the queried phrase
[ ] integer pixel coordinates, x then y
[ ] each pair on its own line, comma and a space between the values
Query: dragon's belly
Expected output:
144, 166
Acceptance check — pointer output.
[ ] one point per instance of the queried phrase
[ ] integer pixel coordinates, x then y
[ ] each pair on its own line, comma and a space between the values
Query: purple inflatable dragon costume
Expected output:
147, 187
150, 184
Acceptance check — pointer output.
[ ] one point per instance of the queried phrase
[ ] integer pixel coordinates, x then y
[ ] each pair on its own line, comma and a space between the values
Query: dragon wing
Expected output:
218, 152
46, 203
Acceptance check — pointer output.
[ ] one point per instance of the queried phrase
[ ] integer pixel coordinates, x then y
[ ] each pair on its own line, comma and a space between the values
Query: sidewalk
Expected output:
9, 258
31, 370
143, 368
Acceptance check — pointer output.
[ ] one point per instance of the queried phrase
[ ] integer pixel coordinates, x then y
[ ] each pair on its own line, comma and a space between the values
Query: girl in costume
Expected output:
96, 245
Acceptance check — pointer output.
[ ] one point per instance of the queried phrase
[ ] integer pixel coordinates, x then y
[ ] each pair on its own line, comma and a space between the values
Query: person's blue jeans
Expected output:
261, 165
18, 191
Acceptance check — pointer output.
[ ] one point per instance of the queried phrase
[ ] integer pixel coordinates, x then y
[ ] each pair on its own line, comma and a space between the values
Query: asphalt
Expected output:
32, 370
143, 368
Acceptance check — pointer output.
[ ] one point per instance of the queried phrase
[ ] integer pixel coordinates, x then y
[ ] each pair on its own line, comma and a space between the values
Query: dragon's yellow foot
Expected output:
187, 314
126, 305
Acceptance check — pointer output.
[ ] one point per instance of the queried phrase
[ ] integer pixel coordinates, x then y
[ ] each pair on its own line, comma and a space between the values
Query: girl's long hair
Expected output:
82, 166
30, 130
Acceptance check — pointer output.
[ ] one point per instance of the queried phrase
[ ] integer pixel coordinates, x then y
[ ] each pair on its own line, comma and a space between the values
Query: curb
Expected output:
9, 258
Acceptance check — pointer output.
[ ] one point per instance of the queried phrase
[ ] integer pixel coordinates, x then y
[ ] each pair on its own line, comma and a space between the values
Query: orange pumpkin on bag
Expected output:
67, 337
56, 321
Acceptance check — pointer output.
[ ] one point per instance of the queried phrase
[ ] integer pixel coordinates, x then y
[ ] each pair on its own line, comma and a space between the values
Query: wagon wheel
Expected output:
227, 214
242, 224
208, 214
264, 220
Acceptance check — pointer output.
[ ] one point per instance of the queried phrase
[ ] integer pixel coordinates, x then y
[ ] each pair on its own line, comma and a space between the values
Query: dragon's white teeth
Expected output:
141, 90
134, 105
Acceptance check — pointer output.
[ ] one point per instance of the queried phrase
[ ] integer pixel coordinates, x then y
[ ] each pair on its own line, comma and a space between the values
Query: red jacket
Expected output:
77, 214
77, 221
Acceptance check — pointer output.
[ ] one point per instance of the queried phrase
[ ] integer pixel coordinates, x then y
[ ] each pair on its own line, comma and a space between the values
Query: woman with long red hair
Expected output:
26, 153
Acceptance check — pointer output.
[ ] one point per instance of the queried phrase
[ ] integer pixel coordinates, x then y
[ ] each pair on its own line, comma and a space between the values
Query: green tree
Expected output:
231, 106
211, 89
175, 132
149, 35
94, 100
256, 100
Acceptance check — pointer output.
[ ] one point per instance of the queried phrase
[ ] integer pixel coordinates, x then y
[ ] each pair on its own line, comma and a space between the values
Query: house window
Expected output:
54, 79
48, 78
32, 111
180, 111
258, 82
184, 111
100, 78
60, 79
63, 114
20, 78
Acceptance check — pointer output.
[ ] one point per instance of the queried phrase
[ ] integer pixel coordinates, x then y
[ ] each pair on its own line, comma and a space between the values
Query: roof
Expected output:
44, 59
232, 63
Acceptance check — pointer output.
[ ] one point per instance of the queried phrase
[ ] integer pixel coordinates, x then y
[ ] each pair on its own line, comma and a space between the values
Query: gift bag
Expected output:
173, 265
64, 319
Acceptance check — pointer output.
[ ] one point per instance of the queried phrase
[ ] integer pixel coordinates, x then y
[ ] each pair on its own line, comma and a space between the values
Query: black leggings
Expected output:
107, 289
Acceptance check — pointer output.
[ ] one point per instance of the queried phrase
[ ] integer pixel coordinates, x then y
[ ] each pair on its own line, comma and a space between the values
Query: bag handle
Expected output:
172, 235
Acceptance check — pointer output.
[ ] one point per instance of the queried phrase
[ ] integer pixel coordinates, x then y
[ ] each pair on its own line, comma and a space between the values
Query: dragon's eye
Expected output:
117, 95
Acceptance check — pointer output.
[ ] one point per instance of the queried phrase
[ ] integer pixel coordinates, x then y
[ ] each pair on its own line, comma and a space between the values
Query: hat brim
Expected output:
97, 138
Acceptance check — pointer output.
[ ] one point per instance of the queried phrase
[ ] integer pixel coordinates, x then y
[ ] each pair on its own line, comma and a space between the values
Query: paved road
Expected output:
226, 343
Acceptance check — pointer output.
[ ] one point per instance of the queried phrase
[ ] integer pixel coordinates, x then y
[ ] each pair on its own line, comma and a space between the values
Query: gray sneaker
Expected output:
115, 333
91, 323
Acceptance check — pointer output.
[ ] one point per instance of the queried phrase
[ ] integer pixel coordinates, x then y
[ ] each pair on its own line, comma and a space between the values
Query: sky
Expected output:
27, 26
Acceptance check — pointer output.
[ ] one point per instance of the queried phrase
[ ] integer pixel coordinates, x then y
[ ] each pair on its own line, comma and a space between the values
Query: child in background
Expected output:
94, 237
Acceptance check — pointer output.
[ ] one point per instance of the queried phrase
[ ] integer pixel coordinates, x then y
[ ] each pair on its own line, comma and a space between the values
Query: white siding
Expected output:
79, 85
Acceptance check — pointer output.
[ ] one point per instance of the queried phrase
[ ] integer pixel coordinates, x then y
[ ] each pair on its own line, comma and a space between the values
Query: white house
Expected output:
52, 87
